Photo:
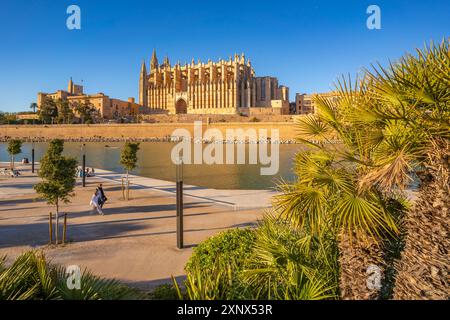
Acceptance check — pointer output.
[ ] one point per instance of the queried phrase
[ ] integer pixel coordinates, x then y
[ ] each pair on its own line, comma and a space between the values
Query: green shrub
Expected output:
31, 277
164, 292
288, 264
231, 246
274, 261
214, 270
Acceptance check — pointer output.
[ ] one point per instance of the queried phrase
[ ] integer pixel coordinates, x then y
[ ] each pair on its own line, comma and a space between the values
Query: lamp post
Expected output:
179, 183
83, 174
32, 156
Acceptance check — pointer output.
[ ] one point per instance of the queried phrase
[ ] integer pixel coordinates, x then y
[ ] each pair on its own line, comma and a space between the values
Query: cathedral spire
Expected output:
154, 61
166, 61
143, 69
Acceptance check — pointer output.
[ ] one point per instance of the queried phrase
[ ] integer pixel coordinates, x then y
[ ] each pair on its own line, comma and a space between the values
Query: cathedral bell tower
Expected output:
143, 86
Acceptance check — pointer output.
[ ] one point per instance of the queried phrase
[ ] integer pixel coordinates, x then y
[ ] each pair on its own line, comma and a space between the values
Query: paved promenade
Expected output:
135, 242
237, 199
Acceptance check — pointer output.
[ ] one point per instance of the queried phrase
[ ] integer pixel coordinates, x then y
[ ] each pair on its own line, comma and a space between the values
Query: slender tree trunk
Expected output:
424, 268
128, 187
57, 221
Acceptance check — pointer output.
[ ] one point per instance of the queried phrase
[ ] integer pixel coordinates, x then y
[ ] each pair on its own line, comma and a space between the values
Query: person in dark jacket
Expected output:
102, 197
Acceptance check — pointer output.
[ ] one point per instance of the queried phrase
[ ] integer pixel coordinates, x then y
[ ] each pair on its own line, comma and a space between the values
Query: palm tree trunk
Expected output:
423, 271
362, 267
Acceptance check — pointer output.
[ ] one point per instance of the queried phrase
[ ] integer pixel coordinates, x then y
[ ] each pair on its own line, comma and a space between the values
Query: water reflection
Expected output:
154, 161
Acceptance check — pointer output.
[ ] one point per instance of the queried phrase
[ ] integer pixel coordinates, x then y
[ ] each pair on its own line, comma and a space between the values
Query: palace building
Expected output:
107, 108
223, 87
305, 104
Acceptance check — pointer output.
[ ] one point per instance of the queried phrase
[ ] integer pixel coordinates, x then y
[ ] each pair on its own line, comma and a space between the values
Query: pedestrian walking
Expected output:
95, 203
102, 196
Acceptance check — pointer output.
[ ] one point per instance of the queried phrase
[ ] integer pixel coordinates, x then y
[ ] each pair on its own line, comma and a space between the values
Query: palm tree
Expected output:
289, 264
33, 106
414, 98
326, 198
386, 122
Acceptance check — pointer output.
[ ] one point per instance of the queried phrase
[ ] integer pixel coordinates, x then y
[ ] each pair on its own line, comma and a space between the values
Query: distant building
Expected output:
107, 108
223, 87
304, 103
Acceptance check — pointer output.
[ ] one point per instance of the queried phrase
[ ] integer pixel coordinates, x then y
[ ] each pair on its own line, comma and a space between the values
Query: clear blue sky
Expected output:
306, 44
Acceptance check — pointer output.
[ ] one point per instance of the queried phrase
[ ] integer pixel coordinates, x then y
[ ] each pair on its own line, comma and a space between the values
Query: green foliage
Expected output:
215, 268
65, 113
221, 281
57, 173
31, 277
128, 157
386, 122
290, 264
8, 118
48, 110
164, 292
85, 111
272, 262
14, 148
33, 106
233, 246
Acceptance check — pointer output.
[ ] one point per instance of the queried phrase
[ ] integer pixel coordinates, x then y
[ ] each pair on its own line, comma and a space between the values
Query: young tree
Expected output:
48, 110
58, 177
128, 160
85, 111
65, 113
14, 148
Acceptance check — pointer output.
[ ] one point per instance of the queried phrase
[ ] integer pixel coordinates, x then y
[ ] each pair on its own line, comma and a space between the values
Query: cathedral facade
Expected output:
224, 87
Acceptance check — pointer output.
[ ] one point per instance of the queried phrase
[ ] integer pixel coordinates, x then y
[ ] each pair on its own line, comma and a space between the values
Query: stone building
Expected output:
223, 87
304, 103
107, 108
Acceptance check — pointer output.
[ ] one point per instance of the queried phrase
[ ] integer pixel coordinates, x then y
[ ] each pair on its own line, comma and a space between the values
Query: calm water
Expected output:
154, 162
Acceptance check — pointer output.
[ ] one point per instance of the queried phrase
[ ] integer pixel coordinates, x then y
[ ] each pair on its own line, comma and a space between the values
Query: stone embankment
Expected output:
157, 132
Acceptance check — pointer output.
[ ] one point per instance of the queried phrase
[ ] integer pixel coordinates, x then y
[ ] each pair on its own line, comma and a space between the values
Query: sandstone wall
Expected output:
266, 115
129, 131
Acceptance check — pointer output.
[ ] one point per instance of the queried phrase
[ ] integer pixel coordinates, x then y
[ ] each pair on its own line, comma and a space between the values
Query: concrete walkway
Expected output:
135, 241
237, 199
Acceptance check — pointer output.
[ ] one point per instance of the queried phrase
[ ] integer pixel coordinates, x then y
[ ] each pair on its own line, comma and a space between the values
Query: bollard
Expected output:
123, 189
84, 170
50, 227
179, 184
64, 228
32, 159
56, 227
